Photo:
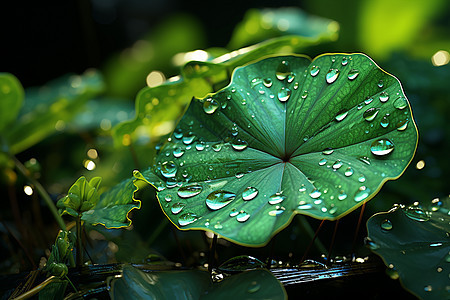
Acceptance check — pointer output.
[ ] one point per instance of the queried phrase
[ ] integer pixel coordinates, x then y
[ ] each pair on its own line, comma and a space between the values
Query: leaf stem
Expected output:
79, 242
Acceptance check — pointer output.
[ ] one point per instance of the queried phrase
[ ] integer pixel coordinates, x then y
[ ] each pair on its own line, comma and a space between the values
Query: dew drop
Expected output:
276, 198
370, 114
189, 191
337, 164
344, 61
218, 199
178, 152
428, 288
332, 75
296, 85
322, 162
341, 116
284, 94
242, 216
348, 172
187, 218
368, 100
302, 188
384, 96
168, 198
315, 193
177, 207
361, 178
234, 212
200, 146
402, 125
314, 71
386, 225
217, 146
178, 133
249, 193
304, 206
362, 193
353, 74
282, 70
210, 106
304, 94
276, 212
168, 169
342, 195
327, 151
380, 84
381, 147
255, 81
188, 139
239, 145
291, 77
267, 82
400, 103
416, 213
365, 160
384, 121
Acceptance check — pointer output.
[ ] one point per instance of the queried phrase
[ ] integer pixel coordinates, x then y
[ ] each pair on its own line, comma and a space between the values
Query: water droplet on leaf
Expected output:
362, 193
242, 216
381, 147
327, 151
348, 172
402, 125
322, 162
370, 114
337, 164
276, 198
282, 70
267, 82
249, 193
400, 103
239, 145
186, 219
314, 71
189, 191
210, 106
315, 193
332, 75
284, 94
353, 74
178, 152
344, 61
168, 169
384, 96
177, 207
384, 121
416, 213
386, 225
341, 116
218, 199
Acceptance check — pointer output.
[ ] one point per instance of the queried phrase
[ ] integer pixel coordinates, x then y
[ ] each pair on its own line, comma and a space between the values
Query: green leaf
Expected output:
11, 98
261, 24
157, 108
61, 249
195, 284
82, 196
47, 109
413, 241
288, 136
385, 26
114, 206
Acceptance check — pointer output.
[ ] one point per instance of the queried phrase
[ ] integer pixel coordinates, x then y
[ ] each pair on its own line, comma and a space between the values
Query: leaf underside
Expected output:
414, 242
285, 137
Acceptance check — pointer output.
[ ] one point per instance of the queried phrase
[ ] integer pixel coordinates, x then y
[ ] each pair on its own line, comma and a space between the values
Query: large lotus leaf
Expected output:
288, 136
261, 24
114, 206
195, 284
157, 107
11, 98
48, 108
414, 241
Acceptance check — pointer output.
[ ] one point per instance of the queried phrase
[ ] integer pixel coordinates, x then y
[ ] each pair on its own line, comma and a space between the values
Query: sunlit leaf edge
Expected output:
373, 193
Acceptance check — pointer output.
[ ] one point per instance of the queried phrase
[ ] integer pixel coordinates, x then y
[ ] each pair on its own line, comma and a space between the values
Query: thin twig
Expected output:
312, 241
332, 241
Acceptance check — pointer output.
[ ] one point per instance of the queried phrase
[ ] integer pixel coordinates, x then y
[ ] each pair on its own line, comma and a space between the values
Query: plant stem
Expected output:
212, 253
36, 289
79, 243
310, 232
45, 196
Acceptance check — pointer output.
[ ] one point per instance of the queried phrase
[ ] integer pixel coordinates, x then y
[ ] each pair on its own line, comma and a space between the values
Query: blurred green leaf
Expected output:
386, 26
261, 24
413, 242
195, 284
11, 98
288, 136
125, 72
157, 108
47, 109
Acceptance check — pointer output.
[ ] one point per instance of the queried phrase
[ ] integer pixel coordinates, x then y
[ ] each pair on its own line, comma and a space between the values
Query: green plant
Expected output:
239, 143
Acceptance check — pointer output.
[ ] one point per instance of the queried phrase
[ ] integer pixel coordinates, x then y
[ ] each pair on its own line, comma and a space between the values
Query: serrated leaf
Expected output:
288, 136
44, 107
262, 24
114, 206
195, 284
413, 241
11, 98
